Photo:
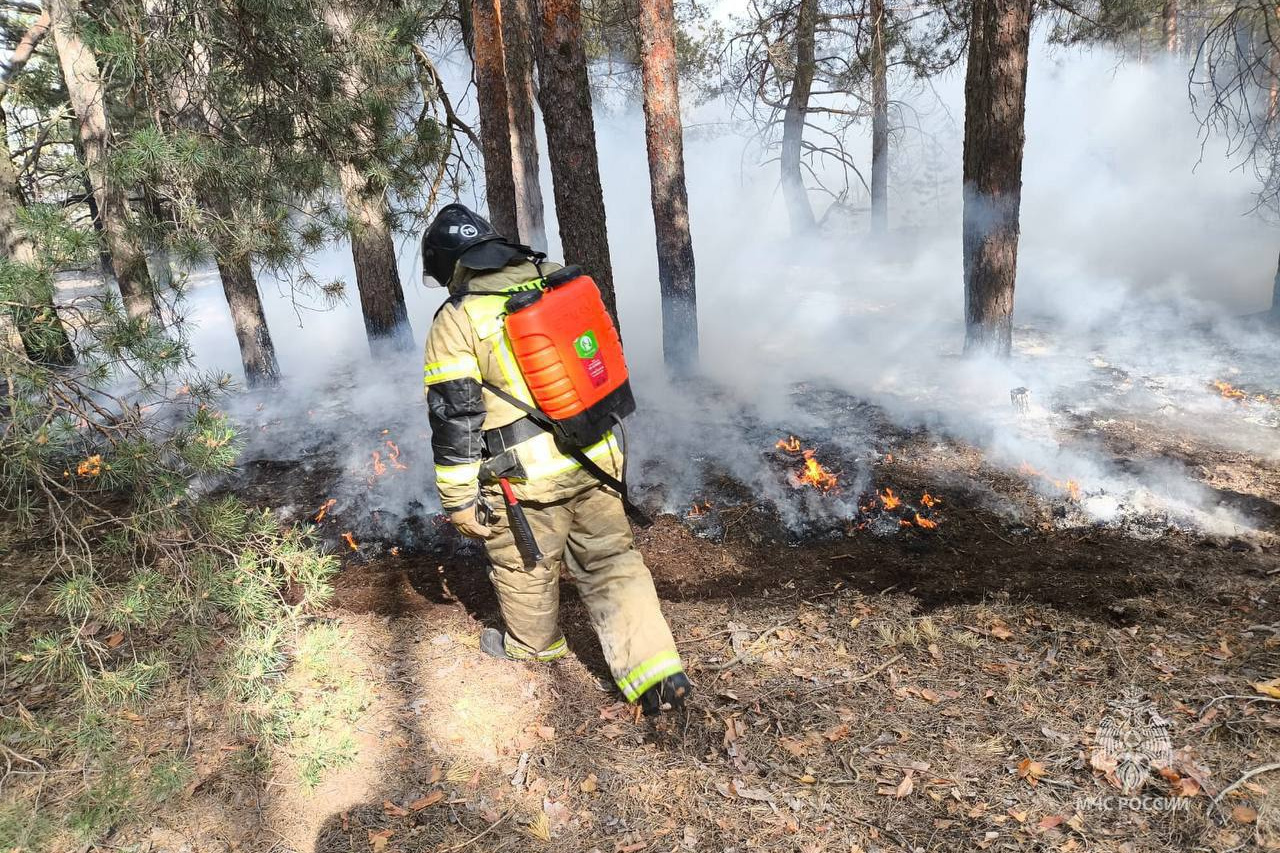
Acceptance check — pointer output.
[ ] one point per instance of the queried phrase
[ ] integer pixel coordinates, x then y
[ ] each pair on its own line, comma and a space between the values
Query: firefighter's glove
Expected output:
467, 521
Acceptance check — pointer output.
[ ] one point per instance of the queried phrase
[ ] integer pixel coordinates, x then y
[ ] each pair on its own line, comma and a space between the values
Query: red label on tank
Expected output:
596, 371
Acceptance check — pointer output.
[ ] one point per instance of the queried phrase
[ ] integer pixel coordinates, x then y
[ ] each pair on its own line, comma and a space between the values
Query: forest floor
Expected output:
872, 685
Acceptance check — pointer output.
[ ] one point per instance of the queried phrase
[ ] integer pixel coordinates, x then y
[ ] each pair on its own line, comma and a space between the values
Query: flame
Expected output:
815, 475
324, 510
889, 499
699, 509
1229, 391
929, 500
395, 551
791, 444
378, 467
393, 456
1071, 487
90, 467
351, 541
925, 523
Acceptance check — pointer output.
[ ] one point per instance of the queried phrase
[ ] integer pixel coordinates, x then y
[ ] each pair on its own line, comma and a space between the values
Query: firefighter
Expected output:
576, 519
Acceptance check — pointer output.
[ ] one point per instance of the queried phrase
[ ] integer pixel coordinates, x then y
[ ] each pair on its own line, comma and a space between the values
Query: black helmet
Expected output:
460, 235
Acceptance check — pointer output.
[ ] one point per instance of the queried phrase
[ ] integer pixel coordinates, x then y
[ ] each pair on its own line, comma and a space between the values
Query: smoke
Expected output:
1137, 254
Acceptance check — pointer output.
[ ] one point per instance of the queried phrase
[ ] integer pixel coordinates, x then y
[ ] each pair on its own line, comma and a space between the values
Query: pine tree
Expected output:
88, 97
496, 131
664, 139
994, 133
386, 318
518, 55
33, 314
564, 95
793, 120
879, 120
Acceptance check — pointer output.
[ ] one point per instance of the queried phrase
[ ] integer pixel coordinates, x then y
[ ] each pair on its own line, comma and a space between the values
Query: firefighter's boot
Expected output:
669, 694
491, 643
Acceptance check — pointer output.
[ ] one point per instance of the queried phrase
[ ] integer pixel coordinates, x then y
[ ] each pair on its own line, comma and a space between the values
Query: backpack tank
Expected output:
570, 355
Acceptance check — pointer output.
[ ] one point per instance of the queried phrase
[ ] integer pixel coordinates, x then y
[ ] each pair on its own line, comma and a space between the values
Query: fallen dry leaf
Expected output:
393, 810
1001, 631
426, 801
115, 639
1268, 688
378, 840
1050, 821
588, 785
1244, 814
1032, 771
837, 732
905, 787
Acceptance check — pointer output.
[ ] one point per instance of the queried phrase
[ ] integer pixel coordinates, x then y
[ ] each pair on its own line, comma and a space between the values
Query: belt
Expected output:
506, 437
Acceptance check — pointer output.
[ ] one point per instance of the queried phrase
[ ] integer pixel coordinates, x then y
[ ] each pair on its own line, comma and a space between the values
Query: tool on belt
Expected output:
526, 544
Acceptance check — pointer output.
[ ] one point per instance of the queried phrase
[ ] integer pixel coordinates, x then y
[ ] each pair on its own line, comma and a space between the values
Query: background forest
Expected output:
232, 617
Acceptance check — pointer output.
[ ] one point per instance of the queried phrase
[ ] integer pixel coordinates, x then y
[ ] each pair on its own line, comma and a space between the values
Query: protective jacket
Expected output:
472, 427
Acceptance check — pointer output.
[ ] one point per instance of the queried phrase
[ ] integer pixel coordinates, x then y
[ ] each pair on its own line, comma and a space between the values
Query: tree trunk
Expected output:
44, 338
88, 99
257, 352
1169, 21
879, 121
386, 319
517, 35
1275, 293
496, 131
373, 249
995, 107
665, 143
565, 97
797, 197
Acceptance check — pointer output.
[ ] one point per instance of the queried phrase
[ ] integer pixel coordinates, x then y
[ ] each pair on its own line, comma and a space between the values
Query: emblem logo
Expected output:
1136, 738
586, 345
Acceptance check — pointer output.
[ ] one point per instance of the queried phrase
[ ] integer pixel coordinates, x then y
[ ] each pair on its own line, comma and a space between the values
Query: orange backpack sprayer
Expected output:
570, 355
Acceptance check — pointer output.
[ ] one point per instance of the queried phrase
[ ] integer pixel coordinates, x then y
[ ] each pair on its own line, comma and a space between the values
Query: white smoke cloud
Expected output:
1136, 252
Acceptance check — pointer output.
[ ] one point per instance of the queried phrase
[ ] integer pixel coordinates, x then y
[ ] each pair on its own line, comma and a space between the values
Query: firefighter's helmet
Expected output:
459, 235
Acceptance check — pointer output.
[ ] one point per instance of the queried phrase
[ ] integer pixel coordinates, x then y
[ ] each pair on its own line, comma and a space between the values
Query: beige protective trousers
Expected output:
590, 534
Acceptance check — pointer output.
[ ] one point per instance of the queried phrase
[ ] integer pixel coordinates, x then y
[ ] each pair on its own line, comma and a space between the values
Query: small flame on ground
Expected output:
324, 510
1229, 391
699, 509
378, 467
925, 523
393, 456
889, 500
1071, 487
395, 551
817, 476
929, 500
791, 444
90, 467
351, 541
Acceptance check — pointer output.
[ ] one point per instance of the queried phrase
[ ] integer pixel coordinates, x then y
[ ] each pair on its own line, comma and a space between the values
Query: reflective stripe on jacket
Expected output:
468, 344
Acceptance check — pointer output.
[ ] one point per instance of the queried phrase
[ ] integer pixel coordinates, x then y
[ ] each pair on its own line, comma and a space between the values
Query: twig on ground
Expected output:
1249, 774
490, 828
1215, 700
866, 676
739, 658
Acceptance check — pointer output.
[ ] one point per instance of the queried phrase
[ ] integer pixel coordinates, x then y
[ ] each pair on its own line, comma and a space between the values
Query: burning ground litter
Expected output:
865, 680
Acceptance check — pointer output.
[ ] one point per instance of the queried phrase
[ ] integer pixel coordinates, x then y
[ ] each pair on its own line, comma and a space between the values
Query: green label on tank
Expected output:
586, 345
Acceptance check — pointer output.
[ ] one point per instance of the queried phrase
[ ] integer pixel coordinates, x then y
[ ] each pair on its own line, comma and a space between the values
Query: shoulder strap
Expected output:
540, 418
